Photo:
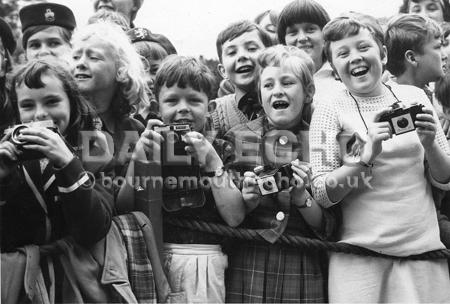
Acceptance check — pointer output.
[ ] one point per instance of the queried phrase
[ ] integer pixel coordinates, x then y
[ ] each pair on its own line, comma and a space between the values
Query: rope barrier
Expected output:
298, 241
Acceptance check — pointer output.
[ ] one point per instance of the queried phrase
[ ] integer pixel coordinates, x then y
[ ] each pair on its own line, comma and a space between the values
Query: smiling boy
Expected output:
238, 47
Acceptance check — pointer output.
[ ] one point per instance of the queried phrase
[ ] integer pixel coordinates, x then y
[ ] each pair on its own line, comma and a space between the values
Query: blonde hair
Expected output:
297, 62
130, 70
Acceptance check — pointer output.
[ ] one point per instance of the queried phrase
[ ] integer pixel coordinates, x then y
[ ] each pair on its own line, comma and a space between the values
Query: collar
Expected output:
249, 105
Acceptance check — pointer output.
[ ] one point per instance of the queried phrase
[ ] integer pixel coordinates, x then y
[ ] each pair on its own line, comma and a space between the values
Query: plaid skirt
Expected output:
264, 273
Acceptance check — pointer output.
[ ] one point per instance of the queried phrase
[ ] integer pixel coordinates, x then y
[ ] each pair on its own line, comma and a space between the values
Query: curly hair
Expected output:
130, 74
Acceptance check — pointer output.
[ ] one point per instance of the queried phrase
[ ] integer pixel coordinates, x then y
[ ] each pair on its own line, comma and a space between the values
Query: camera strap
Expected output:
40, 199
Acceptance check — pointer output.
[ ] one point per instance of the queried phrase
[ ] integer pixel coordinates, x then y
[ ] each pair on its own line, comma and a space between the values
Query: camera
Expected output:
272, 180
173, 134
16, 131
402, 120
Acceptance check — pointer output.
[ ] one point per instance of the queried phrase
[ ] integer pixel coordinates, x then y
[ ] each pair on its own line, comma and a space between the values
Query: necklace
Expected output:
395, 105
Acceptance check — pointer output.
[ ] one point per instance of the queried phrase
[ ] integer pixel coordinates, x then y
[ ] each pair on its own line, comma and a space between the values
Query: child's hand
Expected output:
296, 193
149, 144
377, 133
202, 150
250, 190
426, 127
8, 156
49, 143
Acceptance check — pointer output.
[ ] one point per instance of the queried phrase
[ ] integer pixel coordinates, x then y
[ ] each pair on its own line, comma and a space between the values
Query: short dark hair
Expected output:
299, 11
236, 29
183, 72
442, 90
407, 32
81, 113
444, 4
342, 27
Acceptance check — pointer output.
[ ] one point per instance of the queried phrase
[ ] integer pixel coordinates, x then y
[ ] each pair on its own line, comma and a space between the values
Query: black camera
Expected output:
272, 180
402, 120
173, 135
16, 131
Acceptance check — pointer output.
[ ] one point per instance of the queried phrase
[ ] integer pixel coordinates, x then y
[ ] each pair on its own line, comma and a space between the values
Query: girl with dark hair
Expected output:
300, 24
46, 193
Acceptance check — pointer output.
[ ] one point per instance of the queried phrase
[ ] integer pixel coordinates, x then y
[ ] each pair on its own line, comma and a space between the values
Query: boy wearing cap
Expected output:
47, 29
128, 8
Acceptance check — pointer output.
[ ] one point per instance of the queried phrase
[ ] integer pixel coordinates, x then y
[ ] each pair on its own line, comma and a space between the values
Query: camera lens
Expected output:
16, 133
268, 185
402, 123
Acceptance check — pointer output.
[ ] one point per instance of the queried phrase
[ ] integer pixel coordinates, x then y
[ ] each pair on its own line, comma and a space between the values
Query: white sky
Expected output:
193, 25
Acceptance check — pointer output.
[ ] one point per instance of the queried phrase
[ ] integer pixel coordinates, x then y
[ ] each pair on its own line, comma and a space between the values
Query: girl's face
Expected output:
270, 28
94, 66
357, 61
309, 38
153, 67
183, 105
48, 102
430, 8
48, 42
282, 97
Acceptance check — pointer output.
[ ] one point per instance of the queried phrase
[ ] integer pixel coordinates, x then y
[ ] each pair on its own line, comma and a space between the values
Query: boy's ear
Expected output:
384, 56
309, 93
221, 70
410, 57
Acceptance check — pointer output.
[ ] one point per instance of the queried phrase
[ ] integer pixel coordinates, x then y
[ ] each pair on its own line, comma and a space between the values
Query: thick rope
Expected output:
298, 241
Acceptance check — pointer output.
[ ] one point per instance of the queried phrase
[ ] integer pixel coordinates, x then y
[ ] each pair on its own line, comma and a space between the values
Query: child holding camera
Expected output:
45, 192
380, 174
277, 198
194, 260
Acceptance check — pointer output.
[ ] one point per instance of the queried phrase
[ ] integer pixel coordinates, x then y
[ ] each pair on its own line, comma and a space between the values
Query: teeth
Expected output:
359, 71
280, 105
244, 69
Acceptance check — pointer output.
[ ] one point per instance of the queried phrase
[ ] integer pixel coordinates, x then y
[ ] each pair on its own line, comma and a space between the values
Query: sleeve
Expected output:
441, 140
324, 149
86, 203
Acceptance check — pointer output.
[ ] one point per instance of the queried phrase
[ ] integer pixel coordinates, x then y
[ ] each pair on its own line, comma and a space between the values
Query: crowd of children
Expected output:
322, 130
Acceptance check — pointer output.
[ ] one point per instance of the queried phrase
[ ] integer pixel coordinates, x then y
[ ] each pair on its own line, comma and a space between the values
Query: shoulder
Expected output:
409, 94
251, 126
131, 124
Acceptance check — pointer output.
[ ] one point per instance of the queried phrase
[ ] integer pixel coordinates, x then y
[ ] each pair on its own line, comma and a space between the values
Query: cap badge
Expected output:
140, 33
49, 15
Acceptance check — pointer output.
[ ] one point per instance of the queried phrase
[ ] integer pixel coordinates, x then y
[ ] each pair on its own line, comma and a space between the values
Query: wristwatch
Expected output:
216, 173
307, 203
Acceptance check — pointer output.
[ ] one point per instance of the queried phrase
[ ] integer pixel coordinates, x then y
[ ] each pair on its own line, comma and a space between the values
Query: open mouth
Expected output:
82, 76
184, 121
359, 71
305, 47
245, 69
105, 6
280, 105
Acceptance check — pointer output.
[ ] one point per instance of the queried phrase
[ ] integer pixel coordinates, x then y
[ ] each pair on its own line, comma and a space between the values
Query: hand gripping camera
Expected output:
402, 120
16, 131
272, 180
173, 134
